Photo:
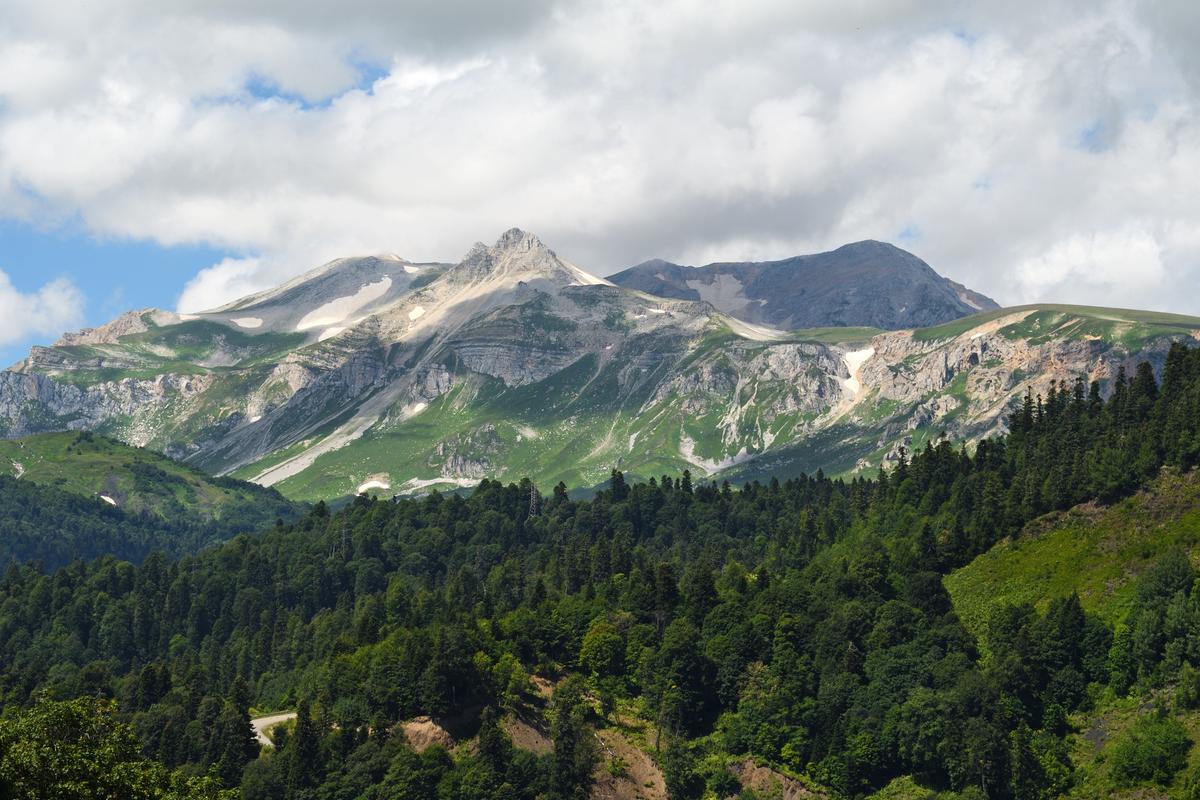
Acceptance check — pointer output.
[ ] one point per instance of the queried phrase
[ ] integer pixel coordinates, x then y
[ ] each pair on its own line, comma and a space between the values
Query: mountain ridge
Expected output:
869, 283
381, 375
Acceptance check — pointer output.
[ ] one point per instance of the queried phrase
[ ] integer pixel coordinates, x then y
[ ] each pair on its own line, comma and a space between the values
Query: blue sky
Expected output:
1033, 151
113, 276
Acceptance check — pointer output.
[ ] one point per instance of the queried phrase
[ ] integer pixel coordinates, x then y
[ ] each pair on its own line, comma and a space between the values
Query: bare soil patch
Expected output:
764, 780
422, 733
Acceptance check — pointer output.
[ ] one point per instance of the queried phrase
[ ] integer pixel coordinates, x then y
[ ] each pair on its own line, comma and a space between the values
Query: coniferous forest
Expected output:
802, 623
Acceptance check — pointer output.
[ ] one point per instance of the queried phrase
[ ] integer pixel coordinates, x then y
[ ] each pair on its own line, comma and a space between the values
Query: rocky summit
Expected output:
871, 284
382, 375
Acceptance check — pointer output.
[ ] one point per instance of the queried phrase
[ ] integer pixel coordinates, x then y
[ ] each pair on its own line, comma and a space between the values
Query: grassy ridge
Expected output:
138, 480
1127, 325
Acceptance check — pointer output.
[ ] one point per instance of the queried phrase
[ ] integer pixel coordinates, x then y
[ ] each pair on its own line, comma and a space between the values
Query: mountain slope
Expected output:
140, 481
1092, 550
821, 642
868, 283
381, 375
68, 496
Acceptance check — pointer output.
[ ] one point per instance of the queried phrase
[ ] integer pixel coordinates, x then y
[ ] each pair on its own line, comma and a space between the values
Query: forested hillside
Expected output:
80, 496
803, 624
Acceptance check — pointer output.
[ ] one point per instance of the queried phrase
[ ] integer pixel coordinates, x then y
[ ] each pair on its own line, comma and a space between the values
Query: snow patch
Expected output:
363, 488
416, 484
108, 500
337, 311
854, 361
966, 298
416, 313
329, 333
724, 292
758, 333
410, 269
583, 277
687, 451
528, 432
247, 322
656, 310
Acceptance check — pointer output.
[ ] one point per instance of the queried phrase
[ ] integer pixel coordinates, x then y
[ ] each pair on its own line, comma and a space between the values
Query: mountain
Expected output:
871, 284
377, 374
806, 638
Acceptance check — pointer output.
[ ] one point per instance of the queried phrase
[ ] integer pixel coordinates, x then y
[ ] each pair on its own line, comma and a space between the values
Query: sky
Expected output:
180, 153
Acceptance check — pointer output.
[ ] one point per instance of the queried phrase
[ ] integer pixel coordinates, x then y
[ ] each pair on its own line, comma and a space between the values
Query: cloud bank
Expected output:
1039, 151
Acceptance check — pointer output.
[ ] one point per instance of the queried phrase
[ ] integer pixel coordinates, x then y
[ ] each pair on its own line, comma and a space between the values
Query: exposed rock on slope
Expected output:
514, 362
871, 284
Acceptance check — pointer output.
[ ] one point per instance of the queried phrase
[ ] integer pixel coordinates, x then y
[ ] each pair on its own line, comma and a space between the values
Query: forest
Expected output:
802, 623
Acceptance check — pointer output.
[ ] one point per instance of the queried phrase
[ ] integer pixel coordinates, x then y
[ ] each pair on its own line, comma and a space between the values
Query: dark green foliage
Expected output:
1154, 749
78, 749
804, 623
53, 527
574, 751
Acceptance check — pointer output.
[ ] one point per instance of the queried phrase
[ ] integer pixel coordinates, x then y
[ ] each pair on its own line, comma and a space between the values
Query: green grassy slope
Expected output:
1098, 552
1095, 551
1125, 326
139, 480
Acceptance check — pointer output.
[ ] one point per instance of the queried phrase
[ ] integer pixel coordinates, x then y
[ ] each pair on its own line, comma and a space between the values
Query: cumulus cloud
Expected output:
1035, 151
55, 307
219, 284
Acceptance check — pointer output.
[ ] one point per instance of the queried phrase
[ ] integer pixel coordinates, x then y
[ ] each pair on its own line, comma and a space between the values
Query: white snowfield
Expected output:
759, 333
416, 484
337, 312
329, 333
416, 313
247, 322
583, 277
966, 298
372, 484
108, 500
687, 451
854, 361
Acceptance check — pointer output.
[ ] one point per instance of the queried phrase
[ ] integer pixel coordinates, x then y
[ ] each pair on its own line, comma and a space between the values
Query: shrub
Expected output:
1154, 749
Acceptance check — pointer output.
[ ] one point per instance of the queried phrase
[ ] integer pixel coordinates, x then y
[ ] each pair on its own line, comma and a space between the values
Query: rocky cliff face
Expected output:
515, 363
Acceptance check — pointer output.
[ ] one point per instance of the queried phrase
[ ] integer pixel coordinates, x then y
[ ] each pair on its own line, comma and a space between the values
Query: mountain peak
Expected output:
868, 283
517, 239
520, 256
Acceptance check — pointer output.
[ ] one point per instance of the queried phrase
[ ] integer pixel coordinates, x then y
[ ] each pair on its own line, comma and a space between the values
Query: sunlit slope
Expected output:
1096, 551
138, 480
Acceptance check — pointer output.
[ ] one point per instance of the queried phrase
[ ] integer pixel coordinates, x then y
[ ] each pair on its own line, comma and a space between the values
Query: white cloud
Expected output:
55, 307
1125, 265
219, 284
1044, 150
